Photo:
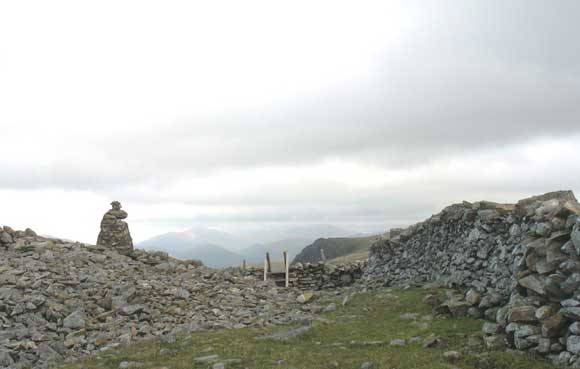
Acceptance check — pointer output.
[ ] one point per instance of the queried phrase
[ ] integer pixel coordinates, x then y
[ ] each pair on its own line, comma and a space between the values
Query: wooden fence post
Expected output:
286, 269
269, 262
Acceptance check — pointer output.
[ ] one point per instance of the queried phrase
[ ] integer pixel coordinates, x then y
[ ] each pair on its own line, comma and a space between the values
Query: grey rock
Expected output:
131, 309
451, 356
575, 238
543, 229
47, 354
397, 342
572, 313
526, 330
523, 343
206, 359
473, 297
544, 312
75, 320
554, 326
287, 334
573, 344
574, 328
6, 238
535, 283
522, 314
5, 359
495, 343
570, 303
491, 328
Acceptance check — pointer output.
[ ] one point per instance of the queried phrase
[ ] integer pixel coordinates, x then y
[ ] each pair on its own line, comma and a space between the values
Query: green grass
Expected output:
357, 256
368, 317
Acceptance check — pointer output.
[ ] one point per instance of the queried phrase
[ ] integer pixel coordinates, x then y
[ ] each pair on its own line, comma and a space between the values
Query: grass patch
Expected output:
352, 337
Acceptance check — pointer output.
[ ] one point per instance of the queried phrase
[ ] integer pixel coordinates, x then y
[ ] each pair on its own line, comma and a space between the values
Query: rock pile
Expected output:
61, 300
115, 231
520, 265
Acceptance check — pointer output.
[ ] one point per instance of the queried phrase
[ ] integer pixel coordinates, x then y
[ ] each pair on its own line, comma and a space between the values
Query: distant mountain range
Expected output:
220, 249
187, 245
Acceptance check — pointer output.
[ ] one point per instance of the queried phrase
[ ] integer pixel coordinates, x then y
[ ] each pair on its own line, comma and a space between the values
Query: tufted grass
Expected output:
368, 317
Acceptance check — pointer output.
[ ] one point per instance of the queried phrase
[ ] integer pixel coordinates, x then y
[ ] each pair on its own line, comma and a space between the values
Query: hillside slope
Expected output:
333, 248
378, 330
256, 253
62, 300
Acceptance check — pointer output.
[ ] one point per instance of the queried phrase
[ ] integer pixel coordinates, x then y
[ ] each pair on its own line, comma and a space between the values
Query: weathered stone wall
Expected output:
519, 264
320, 275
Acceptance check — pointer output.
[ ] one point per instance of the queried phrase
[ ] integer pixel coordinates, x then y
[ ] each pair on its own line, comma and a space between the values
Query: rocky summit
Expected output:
515, 265
518, 264
61, 300
115, 231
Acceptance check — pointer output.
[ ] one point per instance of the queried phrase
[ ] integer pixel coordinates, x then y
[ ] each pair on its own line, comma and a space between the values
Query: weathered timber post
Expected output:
269, 262
265, 270
244, 265
287, 269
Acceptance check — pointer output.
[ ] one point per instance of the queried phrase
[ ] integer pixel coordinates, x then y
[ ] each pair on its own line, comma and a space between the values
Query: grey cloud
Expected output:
478, 75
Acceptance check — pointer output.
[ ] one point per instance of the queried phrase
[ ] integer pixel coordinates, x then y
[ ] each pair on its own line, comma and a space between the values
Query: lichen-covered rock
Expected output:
495, 343
573, 344
522, 314
575, 236
554, 326
473, 297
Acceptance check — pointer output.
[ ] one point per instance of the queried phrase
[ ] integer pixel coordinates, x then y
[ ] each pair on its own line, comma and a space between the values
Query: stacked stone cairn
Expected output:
519, 266
115, 231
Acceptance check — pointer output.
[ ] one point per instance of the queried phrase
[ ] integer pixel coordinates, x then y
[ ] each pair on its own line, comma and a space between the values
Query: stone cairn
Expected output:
517, 266
115, 231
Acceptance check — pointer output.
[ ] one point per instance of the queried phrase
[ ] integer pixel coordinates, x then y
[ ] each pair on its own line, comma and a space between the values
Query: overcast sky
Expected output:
239, 114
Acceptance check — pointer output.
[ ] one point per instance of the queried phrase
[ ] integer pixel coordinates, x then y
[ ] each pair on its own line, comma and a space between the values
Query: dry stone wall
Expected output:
319, 276
322, 276
518, 264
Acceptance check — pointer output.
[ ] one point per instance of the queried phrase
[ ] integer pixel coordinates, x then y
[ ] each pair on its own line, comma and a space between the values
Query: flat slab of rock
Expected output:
286, 334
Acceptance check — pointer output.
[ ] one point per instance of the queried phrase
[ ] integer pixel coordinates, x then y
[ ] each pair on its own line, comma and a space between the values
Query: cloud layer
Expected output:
369, 116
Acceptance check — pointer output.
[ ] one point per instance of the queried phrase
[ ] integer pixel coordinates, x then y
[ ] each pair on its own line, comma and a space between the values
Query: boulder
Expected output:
575, 237
535, 283
473, 297
522, 314
573, 344
75, 320
495, 343
554, 326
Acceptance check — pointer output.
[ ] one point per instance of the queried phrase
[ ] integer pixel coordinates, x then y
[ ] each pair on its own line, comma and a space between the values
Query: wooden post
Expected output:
269, 262
287, 269
265, 270
244, 265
